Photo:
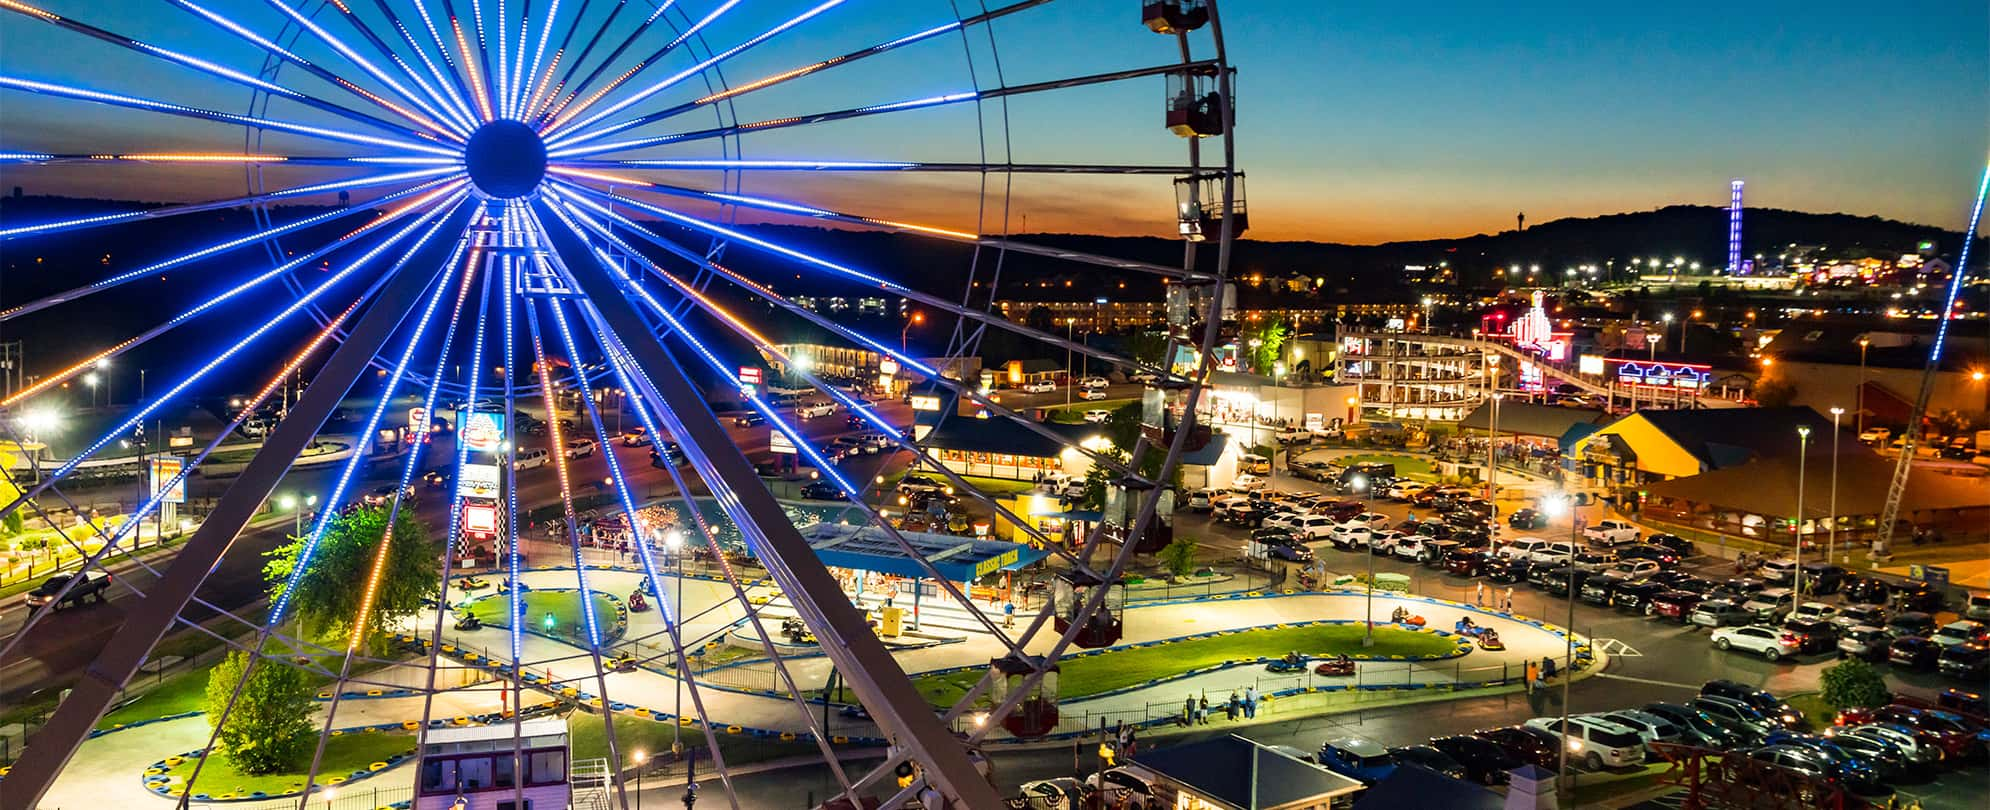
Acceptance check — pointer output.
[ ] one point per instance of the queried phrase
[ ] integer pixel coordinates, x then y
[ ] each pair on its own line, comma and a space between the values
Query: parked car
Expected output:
1358, 758
1778, 571
1737, 716
1814, 764
93, 587
1917, 596
1471, 563
1659, 555
1772, 707
1770, 604
1867, 591
1961, 631
1672, 603
1596, 742
1633, 597
1823, 579
1412, 547
1484, 761
1594, 562
1522, 548
1813, 635
635, 437
1611, 533
1310, 470
580, 448
1536, 747
1093, 382
1922, 757
1914, 652
1039, 387
1851, 616
1719, 612
1969, 663
1958, 740
1976, 606
1509, 572
1429, 757
1630, 569
1911, 623
1696, 727
1769, 642
1527, 519
1650, 727
1679, 545
1864, 642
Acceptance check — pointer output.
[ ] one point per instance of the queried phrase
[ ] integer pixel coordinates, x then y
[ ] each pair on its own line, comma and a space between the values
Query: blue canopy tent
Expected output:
959, 559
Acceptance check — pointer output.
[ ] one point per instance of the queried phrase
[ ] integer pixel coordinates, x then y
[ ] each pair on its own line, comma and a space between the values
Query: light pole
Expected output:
903, 334
1666, 331
1070, 377
1652, 341
673, 541
1796, 576
90, 380
1492, 463
1363, 486
1860, 405
640, 758
1556, 506
1831, 542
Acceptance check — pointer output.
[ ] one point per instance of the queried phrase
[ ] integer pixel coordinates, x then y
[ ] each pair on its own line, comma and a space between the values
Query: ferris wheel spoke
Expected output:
653, 58
836, 61
262, 159
541, 110
540, 86
280, 52
106, 355
453, 75
856, 338
562, 123
212, 250
442, 108
556, 107
101, 220
887, 166
451, 84
366, 66
206, 67
568, 214
131, 102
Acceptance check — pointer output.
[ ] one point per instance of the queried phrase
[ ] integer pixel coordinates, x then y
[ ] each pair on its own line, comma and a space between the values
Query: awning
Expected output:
960, 559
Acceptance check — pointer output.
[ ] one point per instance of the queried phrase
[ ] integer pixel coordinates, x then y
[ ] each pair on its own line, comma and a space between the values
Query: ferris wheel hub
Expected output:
506, 159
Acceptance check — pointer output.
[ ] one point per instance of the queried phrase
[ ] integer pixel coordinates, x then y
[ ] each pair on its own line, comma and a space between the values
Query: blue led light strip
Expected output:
558, 450
336, 497
378, 75
153, 213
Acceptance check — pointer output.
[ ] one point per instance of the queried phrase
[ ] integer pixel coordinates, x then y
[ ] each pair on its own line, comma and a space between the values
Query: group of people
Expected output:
1195, 710
1499, 601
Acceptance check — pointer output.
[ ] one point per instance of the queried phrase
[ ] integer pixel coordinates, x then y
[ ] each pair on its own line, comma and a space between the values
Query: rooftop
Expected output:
1224, 769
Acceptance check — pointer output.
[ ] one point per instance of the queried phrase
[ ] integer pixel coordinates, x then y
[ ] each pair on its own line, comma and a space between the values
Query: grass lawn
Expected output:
998, 486
343, 754
1093, 674
185, 692
589, 739
563, 605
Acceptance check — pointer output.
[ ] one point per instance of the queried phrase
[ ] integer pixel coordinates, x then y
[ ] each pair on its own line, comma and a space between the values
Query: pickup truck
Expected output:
1610, 533
93, 586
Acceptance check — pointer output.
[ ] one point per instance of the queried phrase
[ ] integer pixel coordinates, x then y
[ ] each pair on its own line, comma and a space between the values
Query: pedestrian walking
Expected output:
1231, 709
1530, 674
1479, 595
1008, 615
1508, 604
1202, 710
1250, 702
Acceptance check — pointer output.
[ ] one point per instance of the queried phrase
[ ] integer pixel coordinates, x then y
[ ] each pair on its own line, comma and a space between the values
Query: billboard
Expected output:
1590, 364
164, 470
751, 375
483, 432
479, 520
779, 443
478, 481
923, 402
417, 420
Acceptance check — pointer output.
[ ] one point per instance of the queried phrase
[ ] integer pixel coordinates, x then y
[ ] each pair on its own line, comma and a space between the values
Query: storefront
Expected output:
1002, 449
873, 567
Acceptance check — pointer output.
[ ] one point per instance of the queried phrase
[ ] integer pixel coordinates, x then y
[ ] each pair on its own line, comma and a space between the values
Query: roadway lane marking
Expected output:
1651, 681
1618, 648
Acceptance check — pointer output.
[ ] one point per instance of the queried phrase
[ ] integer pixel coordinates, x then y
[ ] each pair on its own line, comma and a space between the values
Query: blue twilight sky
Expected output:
1359, 121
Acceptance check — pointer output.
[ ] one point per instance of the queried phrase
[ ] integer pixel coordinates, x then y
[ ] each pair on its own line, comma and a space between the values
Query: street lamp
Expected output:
1652, 341
1492, 464
1831, 542
639, 757
91, 379
673, 541
1361, 485
1556, 506
917, 317
1860, 405
1796, 577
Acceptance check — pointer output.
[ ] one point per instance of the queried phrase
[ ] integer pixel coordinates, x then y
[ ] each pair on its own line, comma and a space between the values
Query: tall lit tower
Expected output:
1734, 228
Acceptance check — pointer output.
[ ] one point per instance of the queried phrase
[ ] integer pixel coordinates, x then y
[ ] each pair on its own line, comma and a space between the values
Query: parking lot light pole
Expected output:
1831, 541
1796, 575
1557, 506
1366, 488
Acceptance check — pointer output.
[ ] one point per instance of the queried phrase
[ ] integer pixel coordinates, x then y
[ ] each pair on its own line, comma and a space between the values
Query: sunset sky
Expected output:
1358, 121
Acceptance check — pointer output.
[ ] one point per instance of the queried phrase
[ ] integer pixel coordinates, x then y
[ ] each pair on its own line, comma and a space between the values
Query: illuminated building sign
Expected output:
482, 432
1590, 364
478, 481
1663, 375
479, 520
923, 402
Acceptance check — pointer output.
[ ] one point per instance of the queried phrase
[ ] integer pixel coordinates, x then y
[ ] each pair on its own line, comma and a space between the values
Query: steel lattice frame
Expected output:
564, 266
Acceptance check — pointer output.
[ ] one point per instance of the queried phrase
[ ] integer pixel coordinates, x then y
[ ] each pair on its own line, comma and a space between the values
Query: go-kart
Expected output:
1489, 640
1334, 666
637, 603
469, 621
1465, 627
1402, 616
472, 583
1286, 664
623, 663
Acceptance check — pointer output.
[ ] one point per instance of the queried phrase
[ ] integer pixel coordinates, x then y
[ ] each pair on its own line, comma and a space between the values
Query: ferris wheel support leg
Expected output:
50, 749
845, 634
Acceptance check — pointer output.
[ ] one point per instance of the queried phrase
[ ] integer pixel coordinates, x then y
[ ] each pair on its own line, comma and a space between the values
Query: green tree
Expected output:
269, 728
1854, 683
328, 595
1147, 347
1097, 480
1775, 392
1263, 343
1179, 557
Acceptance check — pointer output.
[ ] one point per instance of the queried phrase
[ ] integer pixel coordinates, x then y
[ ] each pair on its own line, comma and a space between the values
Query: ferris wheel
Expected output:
546, 233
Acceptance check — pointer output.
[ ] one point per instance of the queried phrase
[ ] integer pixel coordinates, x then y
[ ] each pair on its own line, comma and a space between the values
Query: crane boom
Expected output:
1911, 434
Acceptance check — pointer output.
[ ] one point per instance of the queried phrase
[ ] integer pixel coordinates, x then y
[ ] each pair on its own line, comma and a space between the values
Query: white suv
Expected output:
1522, 548
1314, 527
1595, 742
1039, 387
1779, 571
1769, 642
1092, 382
1554, 552
1611, 533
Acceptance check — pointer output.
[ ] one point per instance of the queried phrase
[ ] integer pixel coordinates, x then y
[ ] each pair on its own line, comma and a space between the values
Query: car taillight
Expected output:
1790, 638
